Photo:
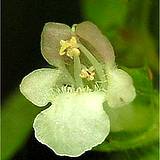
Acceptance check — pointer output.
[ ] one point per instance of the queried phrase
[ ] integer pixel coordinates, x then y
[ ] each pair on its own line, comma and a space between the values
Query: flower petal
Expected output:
95, 41
38, 85
75, 124
50, 41
120, 88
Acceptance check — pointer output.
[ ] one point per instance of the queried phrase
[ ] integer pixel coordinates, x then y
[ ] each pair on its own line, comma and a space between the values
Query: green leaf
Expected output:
150, 152
107, 14
126, 25
16, 119
136, 48
142, 78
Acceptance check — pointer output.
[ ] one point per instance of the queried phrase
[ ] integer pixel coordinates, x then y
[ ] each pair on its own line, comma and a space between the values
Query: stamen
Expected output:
88, 73
94, 62
73, 52
69, 47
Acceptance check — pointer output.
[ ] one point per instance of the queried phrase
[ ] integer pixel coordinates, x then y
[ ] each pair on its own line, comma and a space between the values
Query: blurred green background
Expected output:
130, 25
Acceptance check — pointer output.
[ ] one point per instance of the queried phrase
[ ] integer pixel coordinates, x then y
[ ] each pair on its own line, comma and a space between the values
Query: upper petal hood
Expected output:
50, 41
92, 38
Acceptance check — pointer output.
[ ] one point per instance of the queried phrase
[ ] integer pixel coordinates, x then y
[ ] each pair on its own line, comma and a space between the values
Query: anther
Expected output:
69, 47
88, 73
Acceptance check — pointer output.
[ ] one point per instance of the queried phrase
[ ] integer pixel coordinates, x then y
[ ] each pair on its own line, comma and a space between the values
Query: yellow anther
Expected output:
88, 73
73, 52
69, 47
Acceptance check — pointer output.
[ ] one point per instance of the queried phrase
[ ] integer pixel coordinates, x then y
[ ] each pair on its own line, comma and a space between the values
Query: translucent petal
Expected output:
120, 88
50, 41
75, 124
95, 41
38, 85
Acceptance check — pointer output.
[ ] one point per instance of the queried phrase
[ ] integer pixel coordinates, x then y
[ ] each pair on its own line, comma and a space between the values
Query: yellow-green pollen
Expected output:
69, 47
88, 73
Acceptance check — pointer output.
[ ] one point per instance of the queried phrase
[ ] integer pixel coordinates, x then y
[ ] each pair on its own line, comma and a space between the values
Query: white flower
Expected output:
76, 122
